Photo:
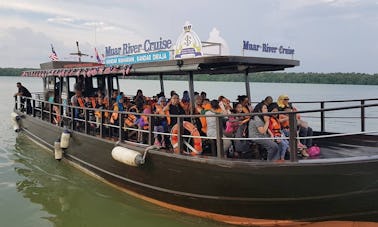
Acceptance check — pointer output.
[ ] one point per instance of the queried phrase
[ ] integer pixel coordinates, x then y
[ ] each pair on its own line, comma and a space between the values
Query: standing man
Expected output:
24, 92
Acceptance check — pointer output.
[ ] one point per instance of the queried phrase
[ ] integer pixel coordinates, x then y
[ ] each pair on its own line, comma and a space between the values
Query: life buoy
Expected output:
197, 142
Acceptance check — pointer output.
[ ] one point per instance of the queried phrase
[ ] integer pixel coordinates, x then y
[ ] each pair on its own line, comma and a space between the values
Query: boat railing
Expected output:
83, 120
322, 114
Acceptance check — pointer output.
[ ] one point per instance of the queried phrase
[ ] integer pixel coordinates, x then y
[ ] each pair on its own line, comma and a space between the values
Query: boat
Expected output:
341, 184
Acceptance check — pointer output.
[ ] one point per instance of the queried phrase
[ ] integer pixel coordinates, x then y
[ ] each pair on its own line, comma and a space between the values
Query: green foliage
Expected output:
283, 77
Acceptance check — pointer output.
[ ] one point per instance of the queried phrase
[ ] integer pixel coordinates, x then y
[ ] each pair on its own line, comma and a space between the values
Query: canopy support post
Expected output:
191, 92
247, 88
161, 83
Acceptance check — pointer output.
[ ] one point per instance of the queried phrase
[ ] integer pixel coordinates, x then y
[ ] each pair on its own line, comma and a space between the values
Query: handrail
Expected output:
219, 138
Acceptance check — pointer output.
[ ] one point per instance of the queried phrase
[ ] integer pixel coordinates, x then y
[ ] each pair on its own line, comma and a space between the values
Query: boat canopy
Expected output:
201, 65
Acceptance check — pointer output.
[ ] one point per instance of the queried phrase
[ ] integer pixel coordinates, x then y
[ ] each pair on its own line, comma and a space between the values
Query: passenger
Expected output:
185, 102
234, 122
303, 129
90, 104
113, 99
203, 95
160, 123
275, 130
247, 108
100, 105
143, 124
139, 100
174, 108
24, 92
206, 106
258, 128
131, 121
201, 121
224, 105
267, 102
78, 101
212, 126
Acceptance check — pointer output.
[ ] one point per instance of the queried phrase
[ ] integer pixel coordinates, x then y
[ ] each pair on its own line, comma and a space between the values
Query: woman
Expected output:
258, 130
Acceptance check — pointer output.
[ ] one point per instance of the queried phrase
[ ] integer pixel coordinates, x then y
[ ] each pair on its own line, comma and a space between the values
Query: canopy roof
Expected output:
201, 65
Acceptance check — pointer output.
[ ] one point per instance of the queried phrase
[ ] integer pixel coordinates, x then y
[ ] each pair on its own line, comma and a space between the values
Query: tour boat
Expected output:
341, 184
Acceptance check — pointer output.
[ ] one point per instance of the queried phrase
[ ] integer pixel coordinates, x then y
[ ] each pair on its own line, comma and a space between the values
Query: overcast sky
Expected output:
327, 35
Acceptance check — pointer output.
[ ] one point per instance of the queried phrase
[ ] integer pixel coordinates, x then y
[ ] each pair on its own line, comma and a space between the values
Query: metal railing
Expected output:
66, 116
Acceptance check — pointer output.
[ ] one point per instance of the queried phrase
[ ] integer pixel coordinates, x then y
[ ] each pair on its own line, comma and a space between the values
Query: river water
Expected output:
36, 190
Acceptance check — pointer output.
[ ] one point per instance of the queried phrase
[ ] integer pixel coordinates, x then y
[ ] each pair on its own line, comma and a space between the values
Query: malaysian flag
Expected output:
53, 56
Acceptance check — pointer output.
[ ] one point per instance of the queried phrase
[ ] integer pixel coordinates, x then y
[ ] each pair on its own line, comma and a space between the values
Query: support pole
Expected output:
161, 83
293, 137
247, 88
362, 116
191, 92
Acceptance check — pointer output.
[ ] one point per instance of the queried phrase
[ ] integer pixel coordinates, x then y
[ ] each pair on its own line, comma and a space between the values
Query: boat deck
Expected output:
348, 146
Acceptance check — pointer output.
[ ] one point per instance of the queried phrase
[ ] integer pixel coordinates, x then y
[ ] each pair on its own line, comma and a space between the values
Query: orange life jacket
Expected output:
81, 102
114, 115
275, 126
284, 124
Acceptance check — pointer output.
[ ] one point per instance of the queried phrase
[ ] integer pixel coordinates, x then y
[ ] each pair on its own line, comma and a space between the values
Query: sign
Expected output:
188, 45
147, 46
138, 58
266, 48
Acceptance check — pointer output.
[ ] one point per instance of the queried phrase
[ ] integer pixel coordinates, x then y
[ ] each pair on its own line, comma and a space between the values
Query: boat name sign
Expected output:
266, 48
147, 46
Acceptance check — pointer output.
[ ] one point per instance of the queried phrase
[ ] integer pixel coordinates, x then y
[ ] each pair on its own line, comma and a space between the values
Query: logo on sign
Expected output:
188, 45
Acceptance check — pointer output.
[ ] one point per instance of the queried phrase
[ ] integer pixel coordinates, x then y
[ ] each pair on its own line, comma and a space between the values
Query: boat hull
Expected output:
342, 190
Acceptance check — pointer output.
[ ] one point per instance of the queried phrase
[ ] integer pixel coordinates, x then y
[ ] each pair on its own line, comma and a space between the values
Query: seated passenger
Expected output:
185, 102
160, 122
246, 105
233, 122
224, 105
275, 130
212, 129
267, 102
200, 122
174, 108
303, 129
258, 128
139, 100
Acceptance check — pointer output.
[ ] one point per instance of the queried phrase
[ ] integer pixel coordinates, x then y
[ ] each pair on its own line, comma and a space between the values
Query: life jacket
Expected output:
81, 102
93, 101
275, 126
98, 113
284, 124
114, 116
130, 120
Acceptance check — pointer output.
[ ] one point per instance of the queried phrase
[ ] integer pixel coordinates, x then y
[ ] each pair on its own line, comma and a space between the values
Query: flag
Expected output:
53, 56
129, 67
97, 56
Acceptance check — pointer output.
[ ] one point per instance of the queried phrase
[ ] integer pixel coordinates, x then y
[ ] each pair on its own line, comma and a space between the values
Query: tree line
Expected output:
267, 77
283, 77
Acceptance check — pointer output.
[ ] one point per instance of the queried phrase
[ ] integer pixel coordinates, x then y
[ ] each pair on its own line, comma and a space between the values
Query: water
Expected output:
38, 191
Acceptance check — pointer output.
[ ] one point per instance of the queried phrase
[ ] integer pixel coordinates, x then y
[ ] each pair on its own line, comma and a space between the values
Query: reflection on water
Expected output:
71, 198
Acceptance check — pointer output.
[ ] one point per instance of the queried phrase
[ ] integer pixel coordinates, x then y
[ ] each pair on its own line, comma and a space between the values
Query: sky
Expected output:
327, 35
